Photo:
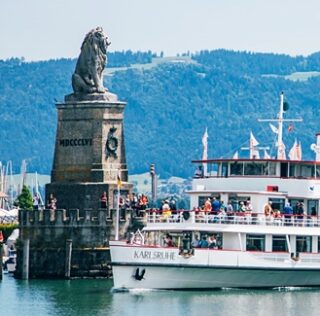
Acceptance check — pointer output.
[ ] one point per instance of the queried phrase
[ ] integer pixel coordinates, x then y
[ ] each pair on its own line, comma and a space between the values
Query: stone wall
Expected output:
50, 232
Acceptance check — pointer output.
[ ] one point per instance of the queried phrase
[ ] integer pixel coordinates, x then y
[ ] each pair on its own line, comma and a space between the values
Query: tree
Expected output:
24, 200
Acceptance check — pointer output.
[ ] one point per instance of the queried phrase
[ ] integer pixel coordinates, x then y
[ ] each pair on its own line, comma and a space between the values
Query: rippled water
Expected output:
95, 297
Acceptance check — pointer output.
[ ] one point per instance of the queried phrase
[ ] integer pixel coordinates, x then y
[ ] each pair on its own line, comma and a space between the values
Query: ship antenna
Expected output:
283, 108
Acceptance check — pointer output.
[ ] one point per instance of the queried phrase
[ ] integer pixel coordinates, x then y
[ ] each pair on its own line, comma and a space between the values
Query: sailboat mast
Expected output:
280, 128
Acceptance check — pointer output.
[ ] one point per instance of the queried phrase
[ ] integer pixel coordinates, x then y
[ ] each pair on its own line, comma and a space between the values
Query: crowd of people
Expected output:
217, 210
137, 202
205, 241
214, 206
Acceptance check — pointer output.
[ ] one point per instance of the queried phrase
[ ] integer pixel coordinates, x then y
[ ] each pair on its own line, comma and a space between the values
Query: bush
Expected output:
7, 229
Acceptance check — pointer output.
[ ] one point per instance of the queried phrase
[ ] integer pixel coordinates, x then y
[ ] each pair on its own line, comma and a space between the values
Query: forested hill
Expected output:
170, 103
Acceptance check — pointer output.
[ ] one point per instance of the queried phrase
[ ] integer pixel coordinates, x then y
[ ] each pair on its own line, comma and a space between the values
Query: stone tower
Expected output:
89, 151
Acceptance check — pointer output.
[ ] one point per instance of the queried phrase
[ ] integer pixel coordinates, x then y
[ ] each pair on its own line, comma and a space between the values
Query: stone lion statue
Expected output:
88, 77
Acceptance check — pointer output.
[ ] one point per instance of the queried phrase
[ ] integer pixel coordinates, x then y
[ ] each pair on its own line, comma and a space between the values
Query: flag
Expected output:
205, 151
293, 151
253, 141
299, 151
1, 237
281, 151
290, 128
266, 155
254, 153
273, 128
119, 183
236, 155
316, 149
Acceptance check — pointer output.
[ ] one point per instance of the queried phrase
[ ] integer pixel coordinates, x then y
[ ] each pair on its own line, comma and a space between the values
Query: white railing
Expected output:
244, 218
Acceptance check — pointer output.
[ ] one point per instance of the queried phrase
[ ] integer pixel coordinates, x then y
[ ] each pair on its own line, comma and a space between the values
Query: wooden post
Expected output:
25, 262
68, 258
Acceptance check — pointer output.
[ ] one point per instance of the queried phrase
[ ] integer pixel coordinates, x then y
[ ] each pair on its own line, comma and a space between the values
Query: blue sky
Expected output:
44, 29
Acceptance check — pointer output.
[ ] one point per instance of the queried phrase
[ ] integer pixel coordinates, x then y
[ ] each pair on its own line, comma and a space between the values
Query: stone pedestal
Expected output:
89, 153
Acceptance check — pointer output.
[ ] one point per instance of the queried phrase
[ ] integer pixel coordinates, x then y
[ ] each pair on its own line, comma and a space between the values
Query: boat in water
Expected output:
253, 223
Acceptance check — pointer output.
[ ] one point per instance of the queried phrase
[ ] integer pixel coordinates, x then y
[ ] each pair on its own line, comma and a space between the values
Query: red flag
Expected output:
290, 128
1, 236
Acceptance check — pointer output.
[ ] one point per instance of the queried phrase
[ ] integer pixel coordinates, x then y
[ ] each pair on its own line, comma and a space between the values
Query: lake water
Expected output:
95, 297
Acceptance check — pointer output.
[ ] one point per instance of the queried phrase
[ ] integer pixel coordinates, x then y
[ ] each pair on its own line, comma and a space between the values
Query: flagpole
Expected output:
117, 214
205, 152
280, 126
118, 207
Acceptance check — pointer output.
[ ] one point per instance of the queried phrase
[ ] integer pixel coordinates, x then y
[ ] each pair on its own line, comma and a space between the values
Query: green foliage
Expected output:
24, 200
128, 58
7, 229
169, 106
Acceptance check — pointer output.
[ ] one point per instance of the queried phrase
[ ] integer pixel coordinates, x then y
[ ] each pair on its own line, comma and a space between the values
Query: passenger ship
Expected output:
252, 249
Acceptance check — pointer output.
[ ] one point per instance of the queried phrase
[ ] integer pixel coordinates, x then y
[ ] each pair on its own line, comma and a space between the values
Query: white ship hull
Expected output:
199, 278
166, 269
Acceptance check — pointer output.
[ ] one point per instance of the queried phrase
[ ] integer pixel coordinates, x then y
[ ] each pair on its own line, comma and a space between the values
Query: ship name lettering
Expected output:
142, 254
156, 255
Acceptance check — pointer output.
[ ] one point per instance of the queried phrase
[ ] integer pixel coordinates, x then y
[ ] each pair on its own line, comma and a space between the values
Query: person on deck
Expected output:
195, 242
52, 205
199, 172
166, 212
215, 206
207, 206
212, 240
288, 212
168, 241
203, 242
267, 209
36, 201
103, 200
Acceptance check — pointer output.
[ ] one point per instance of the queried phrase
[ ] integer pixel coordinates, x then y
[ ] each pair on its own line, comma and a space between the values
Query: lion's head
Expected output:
87, 77
96, 38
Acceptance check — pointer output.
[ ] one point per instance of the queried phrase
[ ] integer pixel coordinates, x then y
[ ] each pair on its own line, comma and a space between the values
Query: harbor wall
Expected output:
69, 243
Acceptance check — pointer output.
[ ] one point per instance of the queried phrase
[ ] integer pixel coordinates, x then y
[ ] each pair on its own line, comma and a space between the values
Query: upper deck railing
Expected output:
234, 218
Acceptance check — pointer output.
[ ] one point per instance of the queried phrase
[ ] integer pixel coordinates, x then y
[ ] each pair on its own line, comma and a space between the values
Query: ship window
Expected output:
306, 171
279, 243
318, 171
294, 203
277, 204
304, 243
252, 168
213, 169
236, 169
202, 199
272, 168
292, 170
206, 236
255, 242
284, 170
312, 207
235, 201
224, 170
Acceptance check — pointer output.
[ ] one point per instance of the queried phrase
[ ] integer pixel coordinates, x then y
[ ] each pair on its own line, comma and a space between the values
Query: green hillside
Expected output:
170, 103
